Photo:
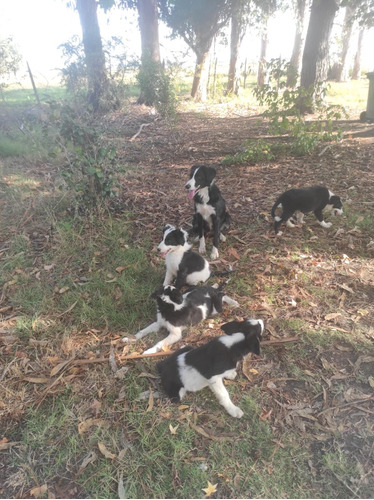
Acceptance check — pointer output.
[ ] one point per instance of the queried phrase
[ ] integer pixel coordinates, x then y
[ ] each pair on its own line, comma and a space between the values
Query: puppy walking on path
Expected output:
302, 201
190, 369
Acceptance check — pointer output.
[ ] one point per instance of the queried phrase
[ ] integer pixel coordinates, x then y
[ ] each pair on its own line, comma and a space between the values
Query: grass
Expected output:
70, 288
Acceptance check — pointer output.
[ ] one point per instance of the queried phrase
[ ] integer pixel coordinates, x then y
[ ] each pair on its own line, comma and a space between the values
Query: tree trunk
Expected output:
237, 32
298, 43
151, 68
200, 80
148, 24
342, 75
261, 74
316, 50
356, 71
93, 49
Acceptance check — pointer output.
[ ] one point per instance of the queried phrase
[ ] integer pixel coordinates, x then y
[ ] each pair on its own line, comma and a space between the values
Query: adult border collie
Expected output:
182, 264
177, 311
190, 369
303, 200
210, 207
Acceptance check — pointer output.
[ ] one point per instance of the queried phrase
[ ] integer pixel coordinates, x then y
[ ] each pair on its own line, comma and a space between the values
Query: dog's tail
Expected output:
275, 206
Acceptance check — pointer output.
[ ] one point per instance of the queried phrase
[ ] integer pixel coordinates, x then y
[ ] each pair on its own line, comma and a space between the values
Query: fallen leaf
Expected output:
39, 491
121, 488
234, 253
6, 445
86, 424
63, 289
37, 380
150, 401
120, 269
212, 488
371, 381
104, 451
183, 407
331, 316
91, 457
173, 430
266, 414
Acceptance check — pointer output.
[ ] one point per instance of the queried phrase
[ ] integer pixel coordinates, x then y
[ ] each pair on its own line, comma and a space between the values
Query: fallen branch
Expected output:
138, 132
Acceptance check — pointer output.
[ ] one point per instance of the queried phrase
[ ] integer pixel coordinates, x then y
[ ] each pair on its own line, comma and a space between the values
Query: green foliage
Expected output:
255, 151
283, 111
89, 161
156, 88
10, 59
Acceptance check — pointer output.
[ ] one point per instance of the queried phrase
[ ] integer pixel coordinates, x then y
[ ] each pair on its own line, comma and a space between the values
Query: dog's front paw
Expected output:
235, 411
327, 224
215, 254
128, 340
152, 350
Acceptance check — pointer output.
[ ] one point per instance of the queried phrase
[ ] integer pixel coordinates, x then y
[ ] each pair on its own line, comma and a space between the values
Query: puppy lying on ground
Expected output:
190, 369
301, 201
177, 311
210, 207
182, 264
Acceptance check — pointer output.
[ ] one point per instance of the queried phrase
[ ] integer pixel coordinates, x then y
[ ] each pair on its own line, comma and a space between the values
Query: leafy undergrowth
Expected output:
80, 421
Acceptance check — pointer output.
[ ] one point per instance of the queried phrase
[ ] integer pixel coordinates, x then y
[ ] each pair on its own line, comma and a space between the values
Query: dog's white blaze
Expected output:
167, 300
331, 193
204, 310
255, 322
205, 210
230, 340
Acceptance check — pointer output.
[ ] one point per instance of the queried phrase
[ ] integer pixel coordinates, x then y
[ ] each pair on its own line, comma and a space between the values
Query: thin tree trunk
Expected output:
295, 60
93, 49
342, 74
356, 71
261, 74
200, 80
235, 41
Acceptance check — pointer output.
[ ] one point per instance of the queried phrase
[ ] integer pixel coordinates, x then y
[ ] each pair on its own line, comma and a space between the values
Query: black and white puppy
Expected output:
177, 311
210, 207
182, 264
303, 200
190, 369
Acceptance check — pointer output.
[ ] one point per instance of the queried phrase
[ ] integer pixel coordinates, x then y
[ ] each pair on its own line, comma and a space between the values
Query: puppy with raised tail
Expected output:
297, 202
182, 264
210, 207
177, 311
190, 369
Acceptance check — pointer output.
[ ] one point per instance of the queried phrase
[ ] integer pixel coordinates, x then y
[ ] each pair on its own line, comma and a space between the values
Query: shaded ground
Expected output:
311, 285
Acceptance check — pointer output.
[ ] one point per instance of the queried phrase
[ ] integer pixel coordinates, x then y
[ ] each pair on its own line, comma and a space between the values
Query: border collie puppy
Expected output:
190, 369
303, 200
177, 311
210, 207
182, 264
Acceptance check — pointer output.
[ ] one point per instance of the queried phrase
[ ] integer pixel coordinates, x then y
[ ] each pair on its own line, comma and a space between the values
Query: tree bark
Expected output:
295, 60
342, 75
356, 71
316, 50
93, 49
314, 63
261, 74
151, 68
236, 37
200, 80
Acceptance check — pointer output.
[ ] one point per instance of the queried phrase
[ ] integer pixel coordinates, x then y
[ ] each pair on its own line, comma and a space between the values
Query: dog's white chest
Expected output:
172, 260
205, 210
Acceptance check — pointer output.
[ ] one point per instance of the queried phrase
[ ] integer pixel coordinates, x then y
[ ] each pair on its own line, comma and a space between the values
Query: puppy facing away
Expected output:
182, 264
303, 200
210, 207
177, 311
190, 369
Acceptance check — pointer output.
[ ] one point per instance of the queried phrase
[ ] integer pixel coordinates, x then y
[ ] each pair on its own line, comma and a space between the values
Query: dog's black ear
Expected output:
180, 237
336, 201
166, 227
176, 296
210, 174
254, 344
159, 291
232, 327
